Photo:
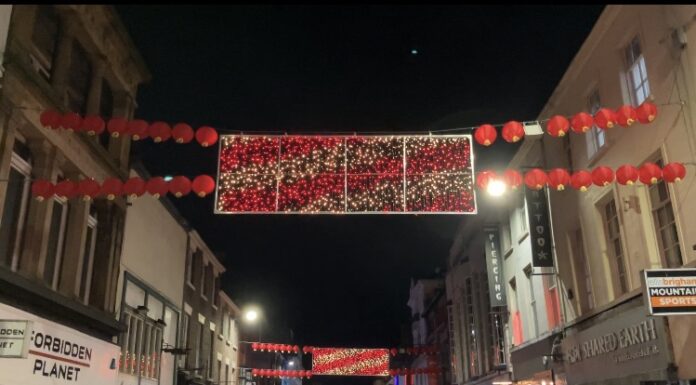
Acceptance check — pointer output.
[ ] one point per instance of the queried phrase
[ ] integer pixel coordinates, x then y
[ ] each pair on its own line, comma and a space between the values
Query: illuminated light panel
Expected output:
345, 175
350, 362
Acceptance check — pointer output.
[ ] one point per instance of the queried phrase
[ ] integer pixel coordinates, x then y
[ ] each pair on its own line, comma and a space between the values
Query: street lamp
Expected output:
251, 315
496, 187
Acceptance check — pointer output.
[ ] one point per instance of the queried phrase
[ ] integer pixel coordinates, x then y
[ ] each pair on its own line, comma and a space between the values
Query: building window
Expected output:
583, 267
596, 137
106, 107
88, 256
15, 207
665, 225
638, 86
140, 344
204, 278
189, 267
199, 348
185, 333
553, 308
56, 243
78, 79
212, 352
614, 248
219, 371
517, 331
471, 329
227, 374
497, 339
532, 298
45, 39
214, 288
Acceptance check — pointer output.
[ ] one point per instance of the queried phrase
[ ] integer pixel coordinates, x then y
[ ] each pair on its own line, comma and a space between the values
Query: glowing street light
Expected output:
251, 315
496, 188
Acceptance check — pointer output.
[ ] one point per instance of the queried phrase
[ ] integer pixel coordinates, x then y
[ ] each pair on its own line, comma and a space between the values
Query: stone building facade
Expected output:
59, 258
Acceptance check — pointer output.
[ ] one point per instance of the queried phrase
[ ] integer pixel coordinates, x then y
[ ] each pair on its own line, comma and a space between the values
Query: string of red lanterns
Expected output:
110, 188
281, 373
257, 346
559, 125
138, 129
416, 350
559, 178
412, 371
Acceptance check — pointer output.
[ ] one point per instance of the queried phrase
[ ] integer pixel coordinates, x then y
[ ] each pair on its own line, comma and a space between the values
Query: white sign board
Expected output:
56, 354
13, 338
670, 291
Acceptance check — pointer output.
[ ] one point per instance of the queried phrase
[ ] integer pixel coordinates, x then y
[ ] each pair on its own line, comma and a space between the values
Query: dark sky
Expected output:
340, 280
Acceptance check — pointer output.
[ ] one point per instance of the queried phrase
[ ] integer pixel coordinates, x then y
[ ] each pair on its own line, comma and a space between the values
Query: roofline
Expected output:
601, 27
224, 297
145, 74
196, 237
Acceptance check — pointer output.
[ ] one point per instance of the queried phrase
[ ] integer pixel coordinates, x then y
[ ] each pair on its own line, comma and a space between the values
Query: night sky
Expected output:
339, 280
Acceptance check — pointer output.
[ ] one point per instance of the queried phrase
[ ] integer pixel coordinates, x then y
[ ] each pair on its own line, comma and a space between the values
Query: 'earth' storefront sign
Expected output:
627, 343
52, 353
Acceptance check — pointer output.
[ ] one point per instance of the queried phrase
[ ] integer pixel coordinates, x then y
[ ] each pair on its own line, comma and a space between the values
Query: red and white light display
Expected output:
350, 362
345, 174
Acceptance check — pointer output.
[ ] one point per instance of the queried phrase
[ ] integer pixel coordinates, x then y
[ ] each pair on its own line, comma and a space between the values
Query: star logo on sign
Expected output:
542, 254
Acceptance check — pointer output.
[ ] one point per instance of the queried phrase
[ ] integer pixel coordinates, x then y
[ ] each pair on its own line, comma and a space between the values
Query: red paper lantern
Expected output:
111, 188
602, 176
134, 187
254, 346
182, 133
88, 189
605, 118
483, 178
513, 131
626, 116
309, 374
306, 349
513, 178
558, 126
296, 349
650, 173
673, 172
42, 189
137, 129
71, 121
206, 136
646, 112
626, 175
559, 178
159, 131
93, 125
581, 122
66, 189
581, 180
393, 351
535, 179
485, 134
254, 372
50, 119
117, 127
157, 187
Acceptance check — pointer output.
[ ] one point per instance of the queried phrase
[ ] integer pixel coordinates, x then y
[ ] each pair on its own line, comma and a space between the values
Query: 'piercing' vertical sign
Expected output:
494, 265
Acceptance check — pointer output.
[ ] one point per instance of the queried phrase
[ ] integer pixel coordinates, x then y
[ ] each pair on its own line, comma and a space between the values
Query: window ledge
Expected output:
508, 252
204, 298
220, 337
189, 284
523, 237
228, 343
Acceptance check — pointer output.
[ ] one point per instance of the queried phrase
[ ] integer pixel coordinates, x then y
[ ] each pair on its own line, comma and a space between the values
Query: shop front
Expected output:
36, 351
622, 345
533, 363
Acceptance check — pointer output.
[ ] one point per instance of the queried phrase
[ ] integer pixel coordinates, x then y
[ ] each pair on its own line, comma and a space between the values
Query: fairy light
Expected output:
355, 174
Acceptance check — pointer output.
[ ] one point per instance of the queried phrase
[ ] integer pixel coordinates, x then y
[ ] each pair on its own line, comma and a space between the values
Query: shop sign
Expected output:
670, 291
55, 353
13, 338
628, 343
539, 227
494, 266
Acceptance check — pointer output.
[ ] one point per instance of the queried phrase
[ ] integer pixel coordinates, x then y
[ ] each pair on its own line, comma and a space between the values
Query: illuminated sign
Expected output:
345, 175
670, 291
350, 362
